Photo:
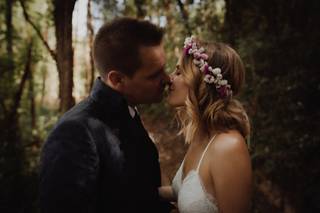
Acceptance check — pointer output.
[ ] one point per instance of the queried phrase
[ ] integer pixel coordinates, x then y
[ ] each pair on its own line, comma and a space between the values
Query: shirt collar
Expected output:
132, 111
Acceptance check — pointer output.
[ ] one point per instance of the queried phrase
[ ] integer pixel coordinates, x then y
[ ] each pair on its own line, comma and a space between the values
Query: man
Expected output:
98, 157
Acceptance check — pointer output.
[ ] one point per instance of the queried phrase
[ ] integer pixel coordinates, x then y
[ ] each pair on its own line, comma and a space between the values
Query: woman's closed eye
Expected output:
177, 71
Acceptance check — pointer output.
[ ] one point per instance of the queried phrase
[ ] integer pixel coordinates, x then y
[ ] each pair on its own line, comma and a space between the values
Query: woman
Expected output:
215, 175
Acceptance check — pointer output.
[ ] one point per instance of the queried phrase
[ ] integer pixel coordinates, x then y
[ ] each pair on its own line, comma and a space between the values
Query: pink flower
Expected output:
204, 56
206, 69
186, 50
222, 91
212, 76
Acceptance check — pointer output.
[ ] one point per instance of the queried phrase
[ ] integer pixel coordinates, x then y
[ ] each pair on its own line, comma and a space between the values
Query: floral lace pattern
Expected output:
191, 194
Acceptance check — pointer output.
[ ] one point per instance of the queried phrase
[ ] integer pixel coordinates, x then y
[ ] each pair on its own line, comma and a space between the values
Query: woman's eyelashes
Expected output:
177, 72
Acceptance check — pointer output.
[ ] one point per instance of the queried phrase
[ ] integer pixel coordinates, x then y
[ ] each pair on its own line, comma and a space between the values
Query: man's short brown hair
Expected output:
116, 45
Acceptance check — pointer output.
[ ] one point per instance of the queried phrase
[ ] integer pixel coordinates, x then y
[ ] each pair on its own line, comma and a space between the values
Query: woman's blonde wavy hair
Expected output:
204, 110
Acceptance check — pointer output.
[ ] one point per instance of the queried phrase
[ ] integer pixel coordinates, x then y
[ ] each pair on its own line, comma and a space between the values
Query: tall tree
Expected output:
141, 13
184, 16
63, 25
11, 152
90, 74
63, 55
9, 5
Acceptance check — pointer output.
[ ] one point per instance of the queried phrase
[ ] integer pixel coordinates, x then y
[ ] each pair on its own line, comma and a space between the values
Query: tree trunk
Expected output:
63, 25
12, 159
10, 139
43, 87
33, 114
141, 13
32, 101
18, 96
9, 4
184, 17
90, 74
229, 25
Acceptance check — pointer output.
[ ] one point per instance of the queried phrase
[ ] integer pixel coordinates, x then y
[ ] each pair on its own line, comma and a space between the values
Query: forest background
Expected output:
46, 67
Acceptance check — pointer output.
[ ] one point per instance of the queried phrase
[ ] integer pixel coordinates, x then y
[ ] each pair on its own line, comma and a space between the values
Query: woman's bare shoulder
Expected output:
231, 142
229, 156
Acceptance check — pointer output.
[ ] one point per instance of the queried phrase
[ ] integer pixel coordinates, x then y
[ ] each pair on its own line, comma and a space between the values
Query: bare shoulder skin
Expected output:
230, 172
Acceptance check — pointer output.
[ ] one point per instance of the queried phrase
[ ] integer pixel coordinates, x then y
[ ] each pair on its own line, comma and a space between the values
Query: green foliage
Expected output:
23, 126
282, 87
278, 41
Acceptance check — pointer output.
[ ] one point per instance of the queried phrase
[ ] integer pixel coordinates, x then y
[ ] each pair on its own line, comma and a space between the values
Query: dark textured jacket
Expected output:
98, 158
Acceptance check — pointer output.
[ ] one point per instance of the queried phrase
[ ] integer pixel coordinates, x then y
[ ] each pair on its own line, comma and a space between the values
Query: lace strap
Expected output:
204, 152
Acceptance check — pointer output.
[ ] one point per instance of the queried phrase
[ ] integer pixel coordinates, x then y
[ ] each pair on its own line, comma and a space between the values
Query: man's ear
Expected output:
115, 80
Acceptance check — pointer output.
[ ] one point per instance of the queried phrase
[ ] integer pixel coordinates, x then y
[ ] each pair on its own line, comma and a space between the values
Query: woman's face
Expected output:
178, 90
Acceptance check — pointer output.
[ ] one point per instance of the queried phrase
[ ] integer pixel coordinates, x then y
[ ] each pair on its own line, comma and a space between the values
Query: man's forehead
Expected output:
152, 52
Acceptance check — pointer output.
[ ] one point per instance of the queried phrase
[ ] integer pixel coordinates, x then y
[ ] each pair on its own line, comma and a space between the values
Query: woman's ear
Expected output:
115, 80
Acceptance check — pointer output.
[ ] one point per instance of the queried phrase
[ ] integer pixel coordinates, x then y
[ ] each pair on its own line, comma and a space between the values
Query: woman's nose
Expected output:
171, 78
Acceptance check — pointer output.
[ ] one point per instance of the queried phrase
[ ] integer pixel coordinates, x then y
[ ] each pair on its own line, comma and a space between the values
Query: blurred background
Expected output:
46, 67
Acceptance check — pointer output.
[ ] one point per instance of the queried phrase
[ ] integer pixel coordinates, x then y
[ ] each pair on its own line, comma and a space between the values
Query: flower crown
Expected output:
212, 75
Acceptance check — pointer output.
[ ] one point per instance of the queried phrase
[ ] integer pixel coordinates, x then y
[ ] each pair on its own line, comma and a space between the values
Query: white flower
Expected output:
223, 82
200, 60
201, 50
209, 79
216, 71
196, 62
194, 46
203, 66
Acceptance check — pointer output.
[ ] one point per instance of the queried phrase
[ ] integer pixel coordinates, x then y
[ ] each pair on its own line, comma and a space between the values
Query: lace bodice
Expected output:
191, 194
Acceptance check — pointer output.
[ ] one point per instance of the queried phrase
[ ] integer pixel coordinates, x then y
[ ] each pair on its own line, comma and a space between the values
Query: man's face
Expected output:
148, 83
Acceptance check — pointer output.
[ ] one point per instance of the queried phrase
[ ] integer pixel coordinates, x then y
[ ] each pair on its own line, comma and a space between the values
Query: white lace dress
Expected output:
191, 194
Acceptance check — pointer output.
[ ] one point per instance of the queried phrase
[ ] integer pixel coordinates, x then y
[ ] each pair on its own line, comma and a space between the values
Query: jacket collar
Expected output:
112, 106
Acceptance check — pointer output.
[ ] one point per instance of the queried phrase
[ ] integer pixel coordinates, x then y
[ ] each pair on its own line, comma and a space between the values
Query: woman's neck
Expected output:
199, 138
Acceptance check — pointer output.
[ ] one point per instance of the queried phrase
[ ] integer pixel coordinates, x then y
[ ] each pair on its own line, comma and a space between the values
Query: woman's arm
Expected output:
230, 169
166, 193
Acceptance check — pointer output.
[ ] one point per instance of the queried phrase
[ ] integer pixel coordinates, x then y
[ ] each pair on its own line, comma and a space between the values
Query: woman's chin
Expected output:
170, 102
